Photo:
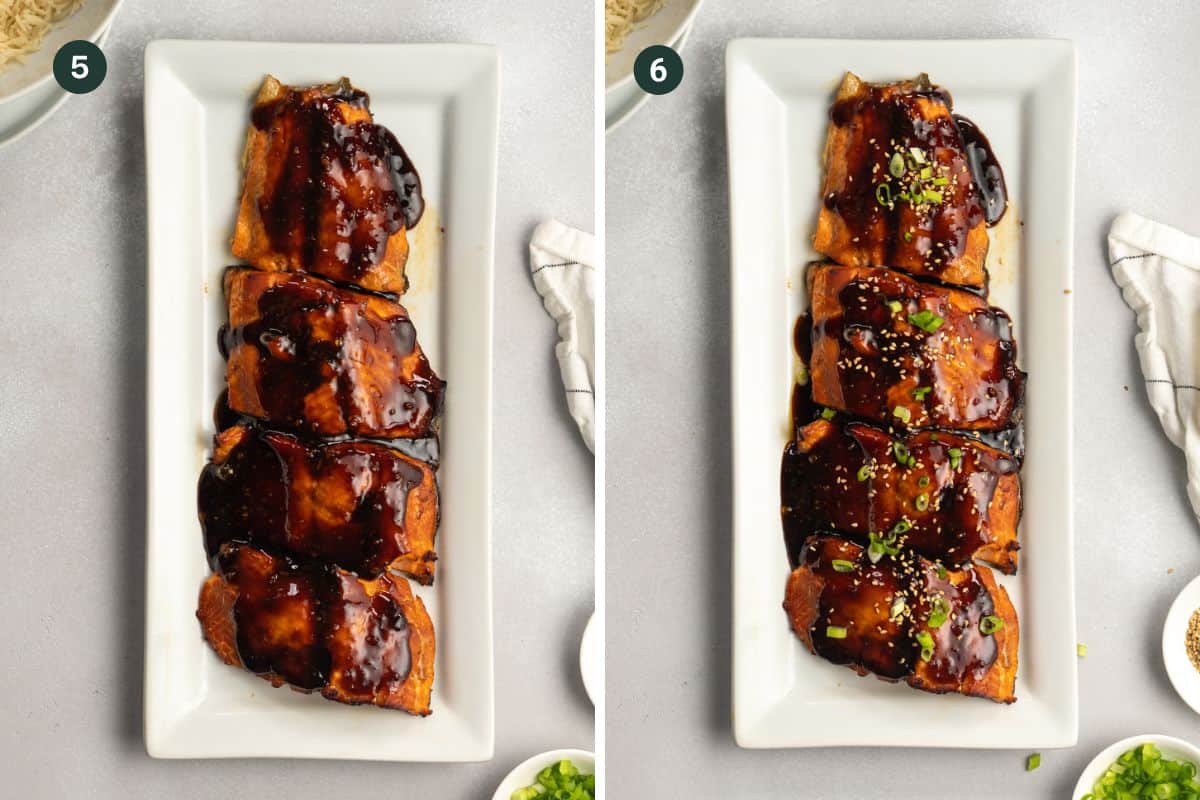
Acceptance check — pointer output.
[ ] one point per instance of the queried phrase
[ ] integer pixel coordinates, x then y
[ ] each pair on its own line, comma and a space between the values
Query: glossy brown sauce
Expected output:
876, 353
309, 335
306, 622
262, 494
820, 491
369, 642
985, 170
959, 646
881, 120
860, 602
344, 187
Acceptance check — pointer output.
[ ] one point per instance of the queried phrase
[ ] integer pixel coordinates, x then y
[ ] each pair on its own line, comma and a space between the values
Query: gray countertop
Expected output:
1137, 542
72, 485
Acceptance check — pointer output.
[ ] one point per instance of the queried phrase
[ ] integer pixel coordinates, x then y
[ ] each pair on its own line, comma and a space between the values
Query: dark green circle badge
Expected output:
80, 67
658, 69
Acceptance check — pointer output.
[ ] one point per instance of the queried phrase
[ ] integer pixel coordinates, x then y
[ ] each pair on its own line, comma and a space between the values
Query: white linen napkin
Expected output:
1158, 270
562, 263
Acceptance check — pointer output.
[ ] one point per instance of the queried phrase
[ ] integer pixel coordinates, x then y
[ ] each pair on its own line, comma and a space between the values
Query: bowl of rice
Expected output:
32, 31
630, 26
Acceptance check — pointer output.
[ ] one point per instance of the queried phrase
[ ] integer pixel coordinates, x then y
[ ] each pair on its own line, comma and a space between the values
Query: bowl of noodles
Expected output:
32, 31
630, 26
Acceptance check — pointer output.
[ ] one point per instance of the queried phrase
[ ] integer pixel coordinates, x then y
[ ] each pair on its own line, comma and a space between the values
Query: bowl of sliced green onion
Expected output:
553, 775
1150, 766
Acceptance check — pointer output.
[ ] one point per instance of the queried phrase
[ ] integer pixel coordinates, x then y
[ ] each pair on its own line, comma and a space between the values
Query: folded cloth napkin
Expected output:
562, 262
1158, 270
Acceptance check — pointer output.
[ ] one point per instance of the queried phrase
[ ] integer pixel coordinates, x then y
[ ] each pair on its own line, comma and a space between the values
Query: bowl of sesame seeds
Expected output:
1181, 644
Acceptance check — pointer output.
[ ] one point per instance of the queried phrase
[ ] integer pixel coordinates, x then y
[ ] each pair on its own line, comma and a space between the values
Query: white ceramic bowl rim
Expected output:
1183, 675
535, 764
671, 38
1172, 747
93, 35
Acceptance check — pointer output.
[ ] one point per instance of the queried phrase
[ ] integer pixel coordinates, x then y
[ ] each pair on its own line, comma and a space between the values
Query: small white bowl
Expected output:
525, 773
91, 20
1184, 677
590, 667
1172, 748
669, 25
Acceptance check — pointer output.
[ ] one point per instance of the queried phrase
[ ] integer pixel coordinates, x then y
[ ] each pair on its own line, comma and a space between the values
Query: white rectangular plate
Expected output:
778, 93
441, 101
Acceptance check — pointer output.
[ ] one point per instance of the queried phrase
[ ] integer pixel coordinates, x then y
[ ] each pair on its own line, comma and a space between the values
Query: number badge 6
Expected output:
658, 69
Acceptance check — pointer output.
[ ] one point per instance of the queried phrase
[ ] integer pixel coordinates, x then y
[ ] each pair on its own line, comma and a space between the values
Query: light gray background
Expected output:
72, 383
668, 468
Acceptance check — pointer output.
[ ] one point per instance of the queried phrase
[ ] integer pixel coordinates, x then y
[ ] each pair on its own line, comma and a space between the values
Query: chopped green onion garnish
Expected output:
901, 413
923, 481
939, 612
942, 181
1081, 650
835, 632
864, 472
922, 502
920, 392
926, 173
955, 457
828, 413
883, 194
926, 320
908, 236
895, 306
918, 155
902, 456
881, 546
896, 166
1143, 773
898, 606
842, 565
942, 573
926, 642
903, 526
932, 196
990, 624
1033, 762
561, 779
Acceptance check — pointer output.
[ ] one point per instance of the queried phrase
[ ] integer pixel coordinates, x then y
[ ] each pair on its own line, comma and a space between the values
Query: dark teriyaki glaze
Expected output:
369, 642
860, 603
345, 185
985, 170
312, 625
870, 352
312, 337
259, 490
885, 119
960, 648
846, 478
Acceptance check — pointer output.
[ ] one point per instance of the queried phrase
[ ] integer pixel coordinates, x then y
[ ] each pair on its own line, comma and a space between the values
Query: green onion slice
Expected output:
864, 472
918, 155
903, 526
1033, 762
883, 194
896, 165
895, 306
842, 565
926, 641
990, 624
897, 609
926, 320
923, 481
922, 502
835, 632
903, 414
908, 236
955, 457
939, 612
828, 413
942, 573
921, 392
1081, 650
